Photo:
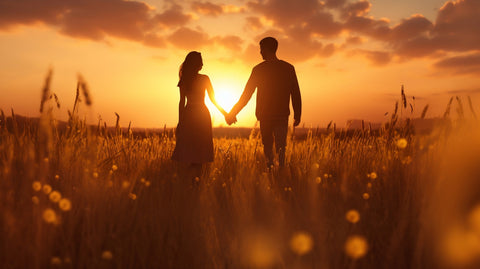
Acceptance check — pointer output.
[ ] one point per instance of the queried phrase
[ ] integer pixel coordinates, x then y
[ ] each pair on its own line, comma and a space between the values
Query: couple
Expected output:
276, 82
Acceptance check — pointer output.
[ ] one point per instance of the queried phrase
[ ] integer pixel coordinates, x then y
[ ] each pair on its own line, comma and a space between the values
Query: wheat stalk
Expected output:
46, 90
424, 112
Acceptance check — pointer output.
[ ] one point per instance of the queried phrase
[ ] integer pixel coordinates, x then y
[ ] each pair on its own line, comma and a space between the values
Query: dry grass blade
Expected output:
2, 119
404, 98
329, 124
77, 99
460, 110
46, 89
56, 100
424, 112
117, 124
470, 105
447, 110
85, 90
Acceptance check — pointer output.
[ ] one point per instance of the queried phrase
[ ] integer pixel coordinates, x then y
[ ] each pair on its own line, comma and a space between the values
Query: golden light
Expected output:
228, 86
226, 98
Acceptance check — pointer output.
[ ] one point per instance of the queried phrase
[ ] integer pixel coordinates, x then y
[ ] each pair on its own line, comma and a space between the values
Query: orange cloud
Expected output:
211, 9
96, 20
173, 16
186, 38
207, 8
231, 42
305, 28
465, 64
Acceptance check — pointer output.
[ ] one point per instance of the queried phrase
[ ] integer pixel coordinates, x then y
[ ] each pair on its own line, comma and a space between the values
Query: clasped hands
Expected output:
230, 118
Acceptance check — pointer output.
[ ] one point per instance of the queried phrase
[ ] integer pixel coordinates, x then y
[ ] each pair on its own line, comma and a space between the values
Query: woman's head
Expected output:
190, 67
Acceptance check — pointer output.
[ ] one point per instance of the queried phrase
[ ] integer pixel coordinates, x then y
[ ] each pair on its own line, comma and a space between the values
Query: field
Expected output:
90, 197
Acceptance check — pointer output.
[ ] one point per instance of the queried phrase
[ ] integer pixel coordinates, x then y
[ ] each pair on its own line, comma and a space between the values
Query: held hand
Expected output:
296, 122
230, 119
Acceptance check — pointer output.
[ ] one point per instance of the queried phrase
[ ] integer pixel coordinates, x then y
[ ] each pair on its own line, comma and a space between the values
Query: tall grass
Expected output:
367, 200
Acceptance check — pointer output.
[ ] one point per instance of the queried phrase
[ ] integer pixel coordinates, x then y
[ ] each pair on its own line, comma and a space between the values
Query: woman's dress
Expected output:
194, 142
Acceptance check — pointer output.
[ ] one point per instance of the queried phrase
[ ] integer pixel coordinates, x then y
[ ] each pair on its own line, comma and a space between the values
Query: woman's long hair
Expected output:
189, 68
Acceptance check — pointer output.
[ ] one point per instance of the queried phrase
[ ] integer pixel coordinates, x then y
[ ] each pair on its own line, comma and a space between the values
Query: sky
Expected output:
351, 56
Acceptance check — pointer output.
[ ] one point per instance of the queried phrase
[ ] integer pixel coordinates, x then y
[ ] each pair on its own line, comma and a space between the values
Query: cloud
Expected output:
173, 16
465, 91
96, 20
323, 24
207, 8
378, 58
212, 9
354, 40
464, 64
305, 28
18, 12
456, 29
359, 8
378, 29
231, 42
414, 26
253, 23
458, 25
335, 3
285, 13
186, 38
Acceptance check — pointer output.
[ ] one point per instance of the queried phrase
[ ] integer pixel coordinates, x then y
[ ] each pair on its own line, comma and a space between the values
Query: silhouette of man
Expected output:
276, 82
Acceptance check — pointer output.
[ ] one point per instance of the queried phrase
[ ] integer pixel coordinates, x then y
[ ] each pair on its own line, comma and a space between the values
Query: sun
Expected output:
225, 99
226, 96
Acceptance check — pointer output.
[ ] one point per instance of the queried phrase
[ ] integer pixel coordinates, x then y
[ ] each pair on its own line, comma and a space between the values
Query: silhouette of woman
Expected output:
194, 130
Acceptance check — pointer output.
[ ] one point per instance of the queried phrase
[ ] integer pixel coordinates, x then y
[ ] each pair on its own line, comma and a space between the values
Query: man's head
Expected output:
268, 47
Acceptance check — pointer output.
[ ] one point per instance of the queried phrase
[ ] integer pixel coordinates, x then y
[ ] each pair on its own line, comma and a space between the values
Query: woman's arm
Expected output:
211, 95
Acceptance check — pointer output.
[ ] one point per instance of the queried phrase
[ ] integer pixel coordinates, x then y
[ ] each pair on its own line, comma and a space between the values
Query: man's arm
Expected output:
296, 99
246, 95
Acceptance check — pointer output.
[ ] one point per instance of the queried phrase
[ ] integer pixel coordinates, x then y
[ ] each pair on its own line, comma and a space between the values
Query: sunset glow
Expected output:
351, 57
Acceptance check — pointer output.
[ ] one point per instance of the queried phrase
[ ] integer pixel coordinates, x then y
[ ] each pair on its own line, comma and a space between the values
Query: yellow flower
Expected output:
301, 243
37, 186
35, 200
55, 261
366, 196
132, 196
352, 216
65, 204
47, 188
57, 177
114, 167
49, 215
107, 255
356, 246
318, 180
372, 175
55, 196
95, 175
402, 143
147, 183
125, 184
